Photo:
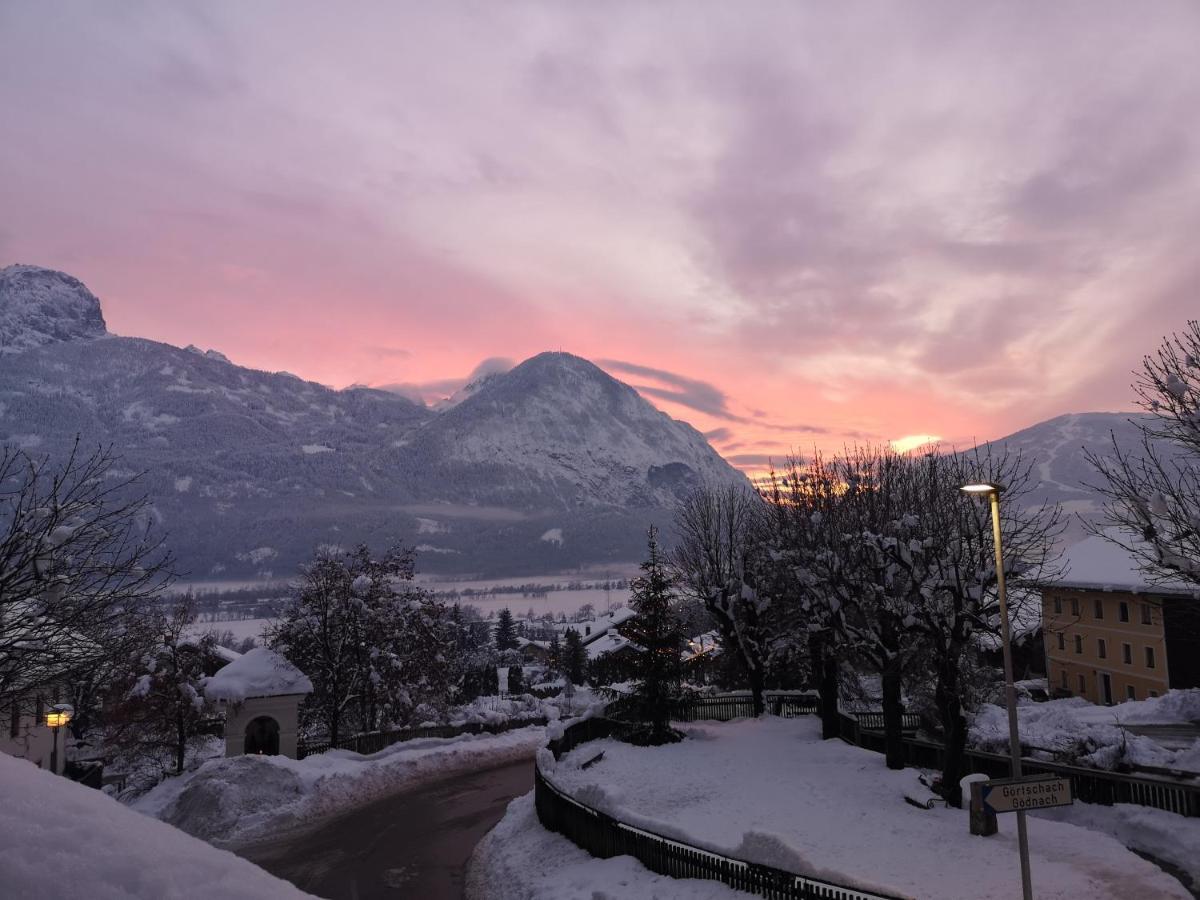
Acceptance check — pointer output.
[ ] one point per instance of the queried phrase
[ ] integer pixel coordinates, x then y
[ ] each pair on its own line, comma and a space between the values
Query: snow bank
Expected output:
520, 860
258, 673
65, 840
238, 799
1074, 730
774, 789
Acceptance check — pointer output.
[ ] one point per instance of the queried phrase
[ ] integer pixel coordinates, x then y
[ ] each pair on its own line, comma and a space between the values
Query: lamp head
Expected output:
983, 488
59, 715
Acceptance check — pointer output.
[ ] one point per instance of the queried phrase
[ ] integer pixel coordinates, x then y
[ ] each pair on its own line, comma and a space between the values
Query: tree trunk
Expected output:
180, 743
954, 728
757, 680
893, 717
825, 668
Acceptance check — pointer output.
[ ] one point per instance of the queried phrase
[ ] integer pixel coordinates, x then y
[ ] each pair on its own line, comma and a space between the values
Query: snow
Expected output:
608, 642
258, 673
1075, 730
184, 484
310, 449
1096, 563
40, 306
520, 860
237, 799
773, 791
553, 536
65, 840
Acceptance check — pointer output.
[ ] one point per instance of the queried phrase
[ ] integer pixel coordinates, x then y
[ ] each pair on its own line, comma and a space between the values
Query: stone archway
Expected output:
262, 737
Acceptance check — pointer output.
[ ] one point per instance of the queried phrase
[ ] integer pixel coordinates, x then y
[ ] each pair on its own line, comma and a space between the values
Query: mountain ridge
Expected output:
251, 470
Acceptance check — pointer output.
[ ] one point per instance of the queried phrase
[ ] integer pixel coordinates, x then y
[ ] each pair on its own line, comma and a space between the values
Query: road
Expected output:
415, 844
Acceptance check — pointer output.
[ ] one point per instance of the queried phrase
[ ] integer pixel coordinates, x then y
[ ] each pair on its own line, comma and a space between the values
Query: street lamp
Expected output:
57, 716
992, 491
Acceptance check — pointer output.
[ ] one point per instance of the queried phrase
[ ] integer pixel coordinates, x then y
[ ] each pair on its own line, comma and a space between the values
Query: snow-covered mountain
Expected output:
1056, 447
250, 470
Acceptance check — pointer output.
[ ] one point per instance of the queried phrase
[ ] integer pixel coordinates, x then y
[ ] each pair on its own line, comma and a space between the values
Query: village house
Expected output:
1111, 634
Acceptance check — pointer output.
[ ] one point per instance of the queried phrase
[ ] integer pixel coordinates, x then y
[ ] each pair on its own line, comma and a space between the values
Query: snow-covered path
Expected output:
412, 844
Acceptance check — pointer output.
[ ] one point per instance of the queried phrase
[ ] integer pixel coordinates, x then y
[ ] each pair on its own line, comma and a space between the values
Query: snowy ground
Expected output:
1098, 736
234, 800
64, 840
520, 860
771, 791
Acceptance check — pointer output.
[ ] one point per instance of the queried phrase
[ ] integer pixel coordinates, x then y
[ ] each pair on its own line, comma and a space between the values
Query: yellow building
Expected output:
1111, 635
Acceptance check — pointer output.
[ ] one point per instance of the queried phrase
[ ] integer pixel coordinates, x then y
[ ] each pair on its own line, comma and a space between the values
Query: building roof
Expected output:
1097, 564
258, 673
598, 626
609, 642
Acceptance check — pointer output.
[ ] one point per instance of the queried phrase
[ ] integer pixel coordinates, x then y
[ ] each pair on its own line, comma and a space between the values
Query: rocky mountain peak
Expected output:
41, 306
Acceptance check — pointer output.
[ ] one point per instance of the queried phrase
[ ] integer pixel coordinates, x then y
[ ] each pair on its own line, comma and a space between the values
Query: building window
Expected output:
1130, 692
1058, 605
1075, 606
1127, 654
1123, 611
1102, 648
1099, 607
1082, 685
1062, 641
1146, 620
1079, 643
1149, 657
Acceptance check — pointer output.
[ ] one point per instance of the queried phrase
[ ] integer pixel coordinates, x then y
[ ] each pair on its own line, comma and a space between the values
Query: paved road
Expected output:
414, 844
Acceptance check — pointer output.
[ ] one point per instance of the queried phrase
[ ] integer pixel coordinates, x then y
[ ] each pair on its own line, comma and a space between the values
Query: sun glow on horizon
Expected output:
913, 441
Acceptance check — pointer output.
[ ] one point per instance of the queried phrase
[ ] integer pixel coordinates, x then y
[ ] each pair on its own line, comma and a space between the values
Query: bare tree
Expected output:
1152, 492
80, 565
714, 562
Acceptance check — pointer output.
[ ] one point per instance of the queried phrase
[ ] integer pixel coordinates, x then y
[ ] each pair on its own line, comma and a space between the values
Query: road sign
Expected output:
1035, 792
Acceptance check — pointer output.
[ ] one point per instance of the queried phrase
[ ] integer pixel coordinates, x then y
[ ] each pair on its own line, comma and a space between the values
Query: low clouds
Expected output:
442, 388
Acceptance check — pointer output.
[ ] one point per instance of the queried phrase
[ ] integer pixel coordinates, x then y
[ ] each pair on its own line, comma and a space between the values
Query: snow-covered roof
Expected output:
590, 629
703, 645
1097, 564
608, 642
226, 654
258, 673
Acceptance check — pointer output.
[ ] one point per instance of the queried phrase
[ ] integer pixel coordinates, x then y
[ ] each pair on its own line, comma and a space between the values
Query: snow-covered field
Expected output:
63, 840
230, 801
1096, 735
771, 791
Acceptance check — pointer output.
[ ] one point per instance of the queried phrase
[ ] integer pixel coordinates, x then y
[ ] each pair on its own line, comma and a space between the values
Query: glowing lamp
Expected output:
983, 487
59, 715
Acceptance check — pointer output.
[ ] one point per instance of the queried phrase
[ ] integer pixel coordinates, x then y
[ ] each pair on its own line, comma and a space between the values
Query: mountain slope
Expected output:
250, 470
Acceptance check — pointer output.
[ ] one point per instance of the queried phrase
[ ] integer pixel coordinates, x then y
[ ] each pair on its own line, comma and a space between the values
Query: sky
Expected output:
792, 224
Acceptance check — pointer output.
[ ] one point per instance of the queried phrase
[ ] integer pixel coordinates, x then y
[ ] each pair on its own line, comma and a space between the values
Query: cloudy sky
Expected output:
788, 223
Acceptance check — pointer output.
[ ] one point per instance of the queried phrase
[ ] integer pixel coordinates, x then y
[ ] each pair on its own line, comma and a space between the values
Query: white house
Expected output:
27, 736
261, 692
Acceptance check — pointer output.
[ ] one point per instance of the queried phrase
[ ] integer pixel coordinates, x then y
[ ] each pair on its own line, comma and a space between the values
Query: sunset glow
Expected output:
813, 226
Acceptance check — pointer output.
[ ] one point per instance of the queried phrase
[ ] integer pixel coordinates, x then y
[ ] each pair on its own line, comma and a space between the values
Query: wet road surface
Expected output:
411, 845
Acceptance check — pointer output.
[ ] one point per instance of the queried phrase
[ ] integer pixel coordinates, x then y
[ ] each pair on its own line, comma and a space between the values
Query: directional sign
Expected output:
1035, 792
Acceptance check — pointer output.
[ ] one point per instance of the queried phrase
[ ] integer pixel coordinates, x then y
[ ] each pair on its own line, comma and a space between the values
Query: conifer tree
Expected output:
656, 631
574, 657
506, 632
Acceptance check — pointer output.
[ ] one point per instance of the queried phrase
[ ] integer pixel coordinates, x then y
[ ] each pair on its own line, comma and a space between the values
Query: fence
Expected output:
1089, 785
604, 837
374, 741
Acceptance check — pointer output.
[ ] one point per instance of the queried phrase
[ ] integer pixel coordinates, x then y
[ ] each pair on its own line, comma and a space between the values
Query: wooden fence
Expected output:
374, 741
604, 836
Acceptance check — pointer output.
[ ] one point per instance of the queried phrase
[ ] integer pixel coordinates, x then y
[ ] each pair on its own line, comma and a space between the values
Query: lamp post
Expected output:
57, 716
992, 491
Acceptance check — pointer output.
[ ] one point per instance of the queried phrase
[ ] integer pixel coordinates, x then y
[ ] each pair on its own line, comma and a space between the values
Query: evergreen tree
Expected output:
506, 632
554, 657
656, 631
574, 657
